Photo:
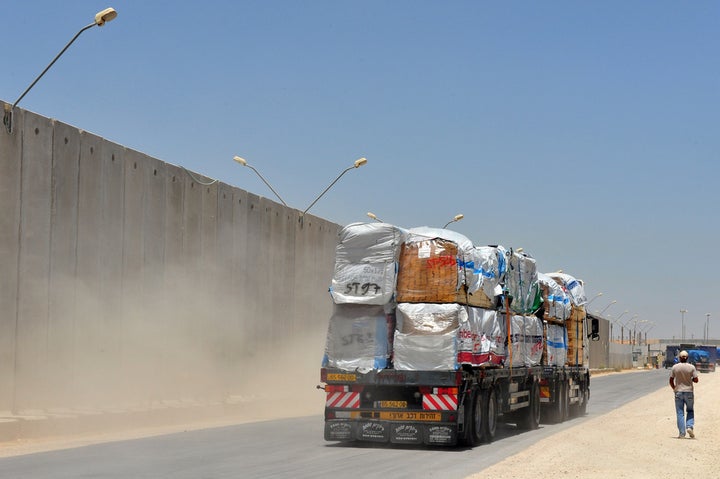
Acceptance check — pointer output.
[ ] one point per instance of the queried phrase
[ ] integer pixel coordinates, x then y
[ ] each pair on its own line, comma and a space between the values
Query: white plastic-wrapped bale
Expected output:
574, 287
481, 340
426, 336
425, 352
522, 283
556, 345
366, 259
430, 318
556, 302
525, 346
359, 337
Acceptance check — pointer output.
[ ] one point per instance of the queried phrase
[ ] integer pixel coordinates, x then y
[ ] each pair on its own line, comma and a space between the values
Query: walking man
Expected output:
682, 377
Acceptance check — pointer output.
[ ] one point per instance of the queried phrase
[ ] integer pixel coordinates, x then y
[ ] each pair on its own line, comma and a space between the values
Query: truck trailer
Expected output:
435, 341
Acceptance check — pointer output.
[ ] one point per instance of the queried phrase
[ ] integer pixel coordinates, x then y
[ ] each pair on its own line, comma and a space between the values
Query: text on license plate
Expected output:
410, 416
392, 404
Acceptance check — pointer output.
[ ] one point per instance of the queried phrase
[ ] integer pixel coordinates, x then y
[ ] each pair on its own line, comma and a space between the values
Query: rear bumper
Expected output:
394, 432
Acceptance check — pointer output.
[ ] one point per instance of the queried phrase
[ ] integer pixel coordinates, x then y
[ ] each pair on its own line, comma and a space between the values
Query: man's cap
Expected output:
683, 354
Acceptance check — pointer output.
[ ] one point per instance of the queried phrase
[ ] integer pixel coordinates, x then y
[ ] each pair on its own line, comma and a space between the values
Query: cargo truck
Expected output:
418, 349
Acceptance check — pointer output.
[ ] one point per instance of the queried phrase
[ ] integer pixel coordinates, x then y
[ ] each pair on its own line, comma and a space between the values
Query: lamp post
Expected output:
616, 320
372, 215
622, 329
707, 326
455, 218
101, 18
593, 299
606, 307
244, 162
358, 163
682, 319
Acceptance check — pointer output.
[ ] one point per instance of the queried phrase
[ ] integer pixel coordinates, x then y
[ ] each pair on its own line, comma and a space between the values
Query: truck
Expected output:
435, 341
703, 357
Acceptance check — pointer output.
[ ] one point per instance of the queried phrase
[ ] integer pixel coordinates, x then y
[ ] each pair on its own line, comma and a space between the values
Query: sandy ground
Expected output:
638, 440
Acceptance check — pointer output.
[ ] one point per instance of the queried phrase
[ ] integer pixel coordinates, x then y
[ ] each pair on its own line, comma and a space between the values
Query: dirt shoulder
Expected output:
638, 440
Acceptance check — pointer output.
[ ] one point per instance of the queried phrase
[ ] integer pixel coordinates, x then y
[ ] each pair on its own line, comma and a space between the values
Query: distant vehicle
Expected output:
704, 358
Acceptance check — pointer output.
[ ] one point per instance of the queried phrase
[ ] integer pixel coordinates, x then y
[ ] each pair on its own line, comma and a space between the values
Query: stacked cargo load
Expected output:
360, 331
443, 275
521, 282
525, 345
555, 311
575, 324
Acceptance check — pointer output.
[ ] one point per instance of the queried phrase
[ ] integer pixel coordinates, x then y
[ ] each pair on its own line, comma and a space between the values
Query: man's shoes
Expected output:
681, 436
691, 432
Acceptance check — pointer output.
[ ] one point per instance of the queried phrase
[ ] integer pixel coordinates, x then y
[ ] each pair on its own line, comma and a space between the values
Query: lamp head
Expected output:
458, 217
104, 16
242, 161
359, 162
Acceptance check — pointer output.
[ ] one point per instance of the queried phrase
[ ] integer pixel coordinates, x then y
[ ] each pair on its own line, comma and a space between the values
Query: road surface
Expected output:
294, 448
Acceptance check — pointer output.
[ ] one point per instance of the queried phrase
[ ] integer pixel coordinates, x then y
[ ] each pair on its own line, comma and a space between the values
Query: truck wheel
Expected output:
466, 438
558, 405
491, 415
530, 416
565, 401
479, 418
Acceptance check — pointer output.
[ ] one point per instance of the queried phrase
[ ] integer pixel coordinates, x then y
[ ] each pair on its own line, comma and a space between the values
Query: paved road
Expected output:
295, 449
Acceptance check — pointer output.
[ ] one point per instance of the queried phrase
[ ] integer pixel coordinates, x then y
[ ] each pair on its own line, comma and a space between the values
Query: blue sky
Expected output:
584, 132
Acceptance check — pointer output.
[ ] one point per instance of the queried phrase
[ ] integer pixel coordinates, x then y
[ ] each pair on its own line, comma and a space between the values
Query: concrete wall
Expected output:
124, 279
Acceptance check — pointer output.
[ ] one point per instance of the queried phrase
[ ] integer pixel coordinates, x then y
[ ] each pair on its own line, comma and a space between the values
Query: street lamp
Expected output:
358, 163
707, 326
372, 215
622, 329
606, 307
682, 319
101, 18
593, 299
244, 162
455, 218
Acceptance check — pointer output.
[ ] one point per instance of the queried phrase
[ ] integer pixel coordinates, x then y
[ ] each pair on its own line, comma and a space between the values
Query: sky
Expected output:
584, 132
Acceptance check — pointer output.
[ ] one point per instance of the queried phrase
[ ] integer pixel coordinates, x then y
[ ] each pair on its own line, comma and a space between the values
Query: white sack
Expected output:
574, 287
415, 352
358, 338
558, 302
556, 345
481, 340
366, 258
430, 318
526, 341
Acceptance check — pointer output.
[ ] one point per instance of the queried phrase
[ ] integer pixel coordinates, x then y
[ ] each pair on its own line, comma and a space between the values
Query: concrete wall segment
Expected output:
10, 169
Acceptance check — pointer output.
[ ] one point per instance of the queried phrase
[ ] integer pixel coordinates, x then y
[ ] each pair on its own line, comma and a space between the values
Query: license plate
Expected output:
410, 416
351, 378
392, 404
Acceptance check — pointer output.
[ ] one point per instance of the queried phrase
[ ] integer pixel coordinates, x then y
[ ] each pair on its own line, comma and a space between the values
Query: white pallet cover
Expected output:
476, 265
526, 341
481, 340
425, 352
574, 287
359, 337
430, 318
558, 301
557, 344
488, 268
366, 258
522, 283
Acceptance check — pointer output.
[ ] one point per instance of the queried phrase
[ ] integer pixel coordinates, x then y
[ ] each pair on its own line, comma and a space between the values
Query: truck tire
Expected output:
491, 414
479, 418
565, 401
466, 438
530, 416
556, 411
